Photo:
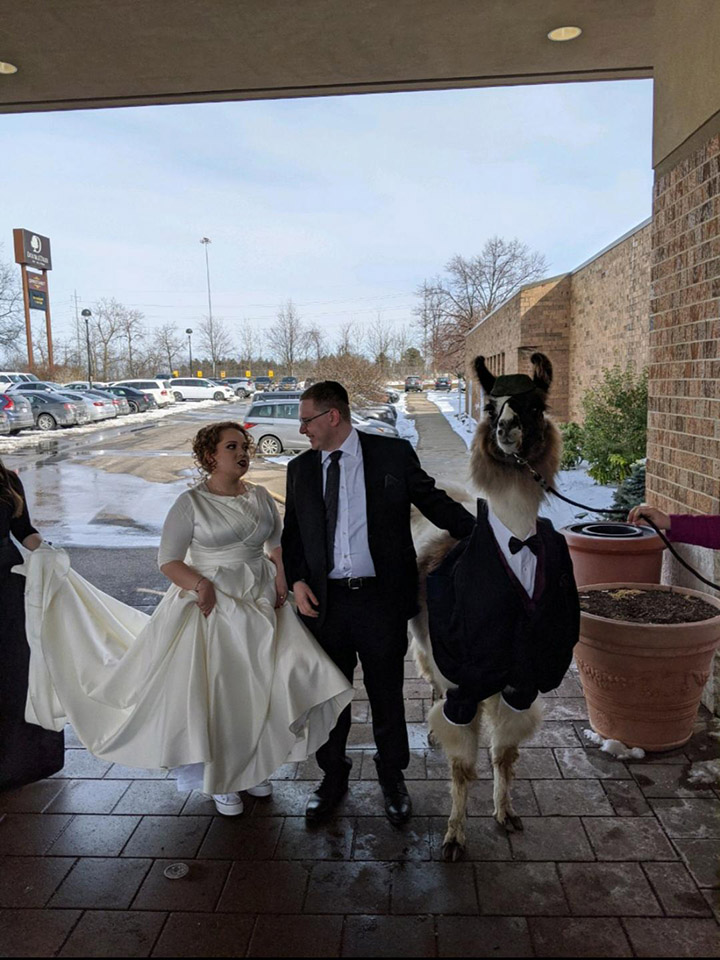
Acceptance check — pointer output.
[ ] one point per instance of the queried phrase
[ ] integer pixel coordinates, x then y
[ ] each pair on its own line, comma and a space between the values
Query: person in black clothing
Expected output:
27, 752
349, 555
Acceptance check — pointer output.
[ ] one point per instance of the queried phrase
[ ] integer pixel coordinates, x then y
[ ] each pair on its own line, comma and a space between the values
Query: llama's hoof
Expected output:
453, 851
510, 824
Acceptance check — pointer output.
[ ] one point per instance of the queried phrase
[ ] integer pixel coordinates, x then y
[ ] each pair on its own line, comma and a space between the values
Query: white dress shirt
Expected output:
523, 563
352, 550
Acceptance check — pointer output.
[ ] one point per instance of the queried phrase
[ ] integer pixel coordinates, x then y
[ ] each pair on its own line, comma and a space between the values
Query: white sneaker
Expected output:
263, 789
228, 804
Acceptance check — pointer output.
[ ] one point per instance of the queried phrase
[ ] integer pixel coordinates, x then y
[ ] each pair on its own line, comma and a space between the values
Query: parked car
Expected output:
85, 385
290, 395
288, 383
366, 425
18, 410
443, 383
413, 385
85, 409
264, 383
119, 402
4, 424
8, 377
242, 386
274, 425
102, 407
51, 410
378, 411
138, 400
163, 396
200, 388
30, 386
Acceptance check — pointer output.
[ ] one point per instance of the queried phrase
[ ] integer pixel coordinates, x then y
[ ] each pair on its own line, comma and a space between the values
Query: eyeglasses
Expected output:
306, 420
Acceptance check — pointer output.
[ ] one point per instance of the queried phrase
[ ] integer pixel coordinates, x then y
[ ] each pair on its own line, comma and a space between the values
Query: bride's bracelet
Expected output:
198, 583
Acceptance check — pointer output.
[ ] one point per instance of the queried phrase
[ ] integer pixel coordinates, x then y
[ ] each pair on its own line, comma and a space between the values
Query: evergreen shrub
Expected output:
615, 427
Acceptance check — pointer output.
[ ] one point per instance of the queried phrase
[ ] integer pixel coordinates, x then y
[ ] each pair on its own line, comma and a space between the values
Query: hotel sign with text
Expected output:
32, 249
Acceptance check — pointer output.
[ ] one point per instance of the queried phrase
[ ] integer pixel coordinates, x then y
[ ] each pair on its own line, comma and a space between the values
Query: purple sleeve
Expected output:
702, 531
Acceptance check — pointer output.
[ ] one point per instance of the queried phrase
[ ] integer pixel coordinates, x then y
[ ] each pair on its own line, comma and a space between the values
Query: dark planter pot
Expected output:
604, 552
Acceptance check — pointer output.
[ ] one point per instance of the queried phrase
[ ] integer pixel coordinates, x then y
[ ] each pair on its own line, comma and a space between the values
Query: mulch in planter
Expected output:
646, 606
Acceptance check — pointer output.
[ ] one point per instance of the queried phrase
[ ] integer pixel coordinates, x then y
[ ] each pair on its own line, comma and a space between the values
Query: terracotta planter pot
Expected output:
643, 682
632, 556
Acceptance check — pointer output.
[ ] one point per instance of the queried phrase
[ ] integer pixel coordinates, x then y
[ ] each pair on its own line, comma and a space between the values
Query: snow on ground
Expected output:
405, 426
28, 439
574, 484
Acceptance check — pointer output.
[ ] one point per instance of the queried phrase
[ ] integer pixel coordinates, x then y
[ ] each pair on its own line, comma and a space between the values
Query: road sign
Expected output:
248, 373
37, 300
32, 249
271, 373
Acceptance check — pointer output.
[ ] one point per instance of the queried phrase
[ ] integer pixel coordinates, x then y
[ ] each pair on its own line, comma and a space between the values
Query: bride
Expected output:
223, 682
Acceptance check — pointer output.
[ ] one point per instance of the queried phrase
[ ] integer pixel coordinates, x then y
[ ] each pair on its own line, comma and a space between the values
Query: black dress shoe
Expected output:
327, 796
398, 805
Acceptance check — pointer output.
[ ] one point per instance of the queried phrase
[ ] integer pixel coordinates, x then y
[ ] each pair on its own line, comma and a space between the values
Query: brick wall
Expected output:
684, 389
683, 468
610, 311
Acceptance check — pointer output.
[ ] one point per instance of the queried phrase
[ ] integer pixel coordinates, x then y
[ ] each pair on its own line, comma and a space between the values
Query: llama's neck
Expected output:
517, 507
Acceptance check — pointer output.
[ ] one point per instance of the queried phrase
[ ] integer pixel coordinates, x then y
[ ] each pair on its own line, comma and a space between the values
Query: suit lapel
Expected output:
374, 477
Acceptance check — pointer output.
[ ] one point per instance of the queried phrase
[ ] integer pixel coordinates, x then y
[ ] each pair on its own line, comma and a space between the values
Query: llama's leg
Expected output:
508, 728
460, 746
421, 650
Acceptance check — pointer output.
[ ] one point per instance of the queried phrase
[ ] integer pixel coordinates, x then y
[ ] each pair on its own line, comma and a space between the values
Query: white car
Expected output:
200, 388
157, 389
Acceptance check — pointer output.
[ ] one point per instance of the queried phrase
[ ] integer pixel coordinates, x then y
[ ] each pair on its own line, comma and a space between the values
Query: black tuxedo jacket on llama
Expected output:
394, 480
487, 633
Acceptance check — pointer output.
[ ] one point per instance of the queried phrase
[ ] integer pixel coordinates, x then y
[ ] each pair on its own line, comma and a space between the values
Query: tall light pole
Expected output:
86, 314
189, 333
206, 241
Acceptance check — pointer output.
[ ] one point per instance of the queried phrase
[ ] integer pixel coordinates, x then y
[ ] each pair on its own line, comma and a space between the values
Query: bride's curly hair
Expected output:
206, 440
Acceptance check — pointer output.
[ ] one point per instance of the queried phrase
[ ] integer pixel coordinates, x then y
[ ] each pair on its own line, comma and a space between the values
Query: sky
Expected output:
343, 204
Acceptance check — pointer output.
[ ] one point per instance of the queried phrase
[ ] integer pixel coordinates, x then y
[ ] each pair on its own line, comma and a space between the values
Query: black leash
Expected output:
615, 512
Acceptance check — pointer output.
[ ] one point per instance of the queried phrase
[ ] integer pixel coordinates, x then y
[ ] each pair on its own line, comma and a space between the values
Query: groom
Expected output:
349, 555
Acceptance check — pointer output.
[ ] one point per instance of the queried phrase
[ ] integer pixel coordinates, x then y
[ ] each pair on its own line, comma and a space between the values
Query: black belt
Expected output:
353, 583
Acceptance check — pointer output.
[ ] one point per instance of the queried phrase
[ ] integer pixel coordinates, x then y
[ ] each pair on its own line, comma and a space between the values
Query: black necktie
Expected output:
332, 494
532, 542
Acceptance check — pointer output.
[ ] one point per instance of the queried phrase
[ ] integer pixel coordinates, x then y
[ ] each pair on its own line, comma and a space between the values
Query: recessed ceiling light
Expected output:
564, 33
7, 67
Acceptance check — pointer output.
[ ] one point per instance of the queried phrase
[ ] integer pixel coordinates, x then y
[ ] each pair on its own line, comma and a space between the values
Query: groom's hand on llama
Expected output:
306, 600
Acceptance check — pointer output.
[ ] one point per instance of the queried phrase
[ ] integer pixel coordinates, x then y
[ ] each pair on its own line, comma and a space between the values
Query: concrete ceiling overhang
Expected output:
74, 54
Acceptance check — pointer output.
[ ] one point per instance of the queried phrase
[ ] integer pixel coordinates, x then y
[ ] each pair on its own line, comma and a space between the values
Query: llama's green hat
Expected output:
512, 384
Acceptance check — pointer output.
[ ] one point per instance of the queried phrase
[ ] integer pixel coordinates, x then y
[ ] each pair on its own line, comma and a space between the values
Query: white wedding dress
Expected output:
239, 692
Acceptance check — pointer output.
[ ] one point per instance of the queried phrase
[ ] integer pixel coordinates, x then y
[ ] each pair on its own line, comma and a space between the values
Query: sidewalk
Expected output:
617, 859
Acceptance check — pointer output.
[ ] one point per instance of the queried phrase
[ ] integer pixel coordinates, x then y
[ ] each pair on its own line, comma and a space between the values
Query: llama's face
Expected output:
514, 423
517, 423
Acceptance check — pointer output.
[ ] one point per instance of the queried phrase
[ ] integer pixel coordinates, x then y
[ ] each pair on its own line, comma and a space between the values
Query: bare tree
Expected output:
250, 343
11, 318
379, 341
215, 340
168, 344
350, 338
133, 332
287, 338
362, 379
106, 332
317, 344
472, 287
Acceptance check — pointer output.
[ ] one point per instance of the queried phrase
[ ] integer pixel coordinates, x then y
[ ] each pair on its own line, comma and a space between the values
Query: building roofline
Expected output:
560, 276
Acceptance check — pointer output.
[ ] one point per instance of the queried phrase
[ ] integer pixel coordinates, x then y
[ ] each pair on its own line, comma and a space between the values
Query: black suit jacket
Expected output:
394, 480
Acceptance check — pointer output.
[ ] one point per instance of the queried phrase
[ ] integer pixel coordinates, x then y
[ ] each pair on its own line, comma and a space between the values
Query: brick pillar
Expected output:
683, 468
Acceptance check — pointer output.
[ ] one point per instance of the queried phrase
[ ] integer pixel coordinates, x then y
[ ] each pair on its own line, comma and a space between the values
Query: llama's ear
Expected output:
542, 371
487, 380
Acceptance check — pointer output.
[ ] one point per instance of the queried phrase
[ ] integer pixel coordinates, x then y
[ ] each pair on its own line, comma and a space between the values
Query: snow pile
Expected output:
404, 425
614, 747
705, 771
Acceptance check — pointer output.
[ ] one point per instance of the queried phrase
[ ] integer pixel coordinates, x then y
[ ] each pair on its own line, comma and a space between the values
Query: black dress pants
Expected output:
358, 624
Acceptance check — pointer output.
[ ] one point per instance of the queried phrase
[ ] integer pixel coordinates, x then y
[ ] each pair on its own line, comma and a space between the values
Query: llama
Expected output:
514, 430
